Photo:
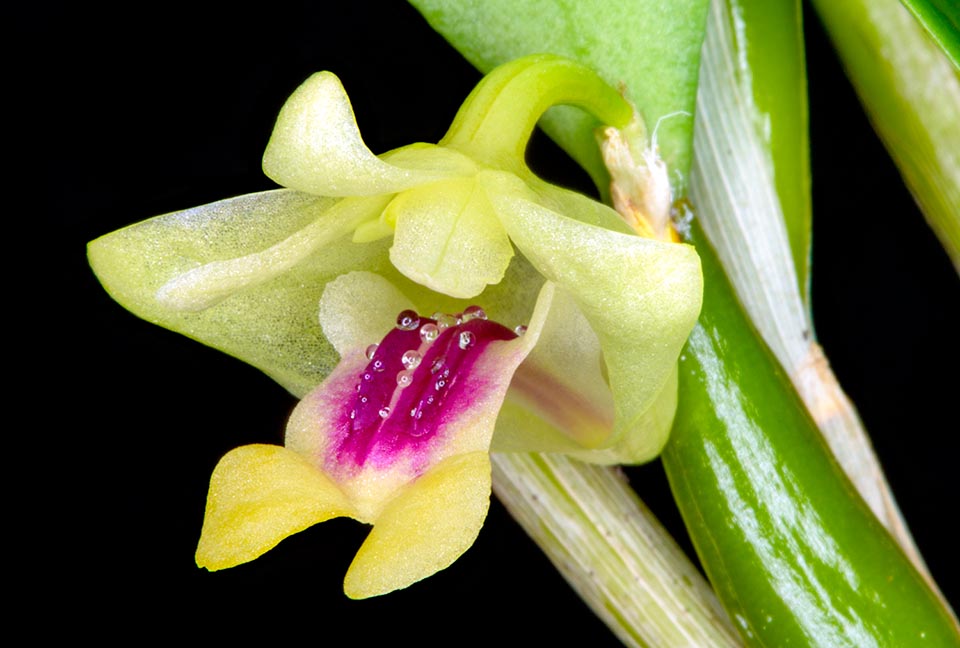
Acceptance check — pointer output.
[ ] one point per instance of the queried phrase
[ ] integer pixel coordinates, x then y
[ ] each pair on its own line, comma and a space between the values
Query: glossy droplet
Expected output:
440, 384
368, 376
429, 332
384, 412
520, 330
467, 339
371, 351
437, 364
445, 321
378, 366
404, 378
472, 313
411, 359
408, 320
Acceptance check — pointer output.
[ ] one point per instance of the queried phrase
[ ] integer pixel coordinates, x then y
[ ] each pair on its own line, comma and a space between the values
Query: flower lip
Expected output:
412, 385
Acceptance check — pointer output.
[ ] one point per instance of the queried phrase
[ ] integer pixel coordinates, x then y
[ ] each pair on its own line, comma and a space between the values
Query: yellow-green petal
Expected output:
259, 495
641, 297
357, 309
213, 282
561, 382
316, 147
271, 325
425, 528
448, 237
577, 206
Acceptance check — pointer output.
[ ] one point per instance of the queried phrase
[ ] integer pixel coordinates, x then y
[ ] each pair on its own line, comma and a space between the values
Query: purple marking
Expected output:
440, 388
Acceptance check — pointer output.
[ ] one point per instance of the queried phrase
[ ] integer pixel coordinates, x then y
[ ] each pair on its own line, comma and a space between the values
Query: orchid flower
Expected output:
398, 435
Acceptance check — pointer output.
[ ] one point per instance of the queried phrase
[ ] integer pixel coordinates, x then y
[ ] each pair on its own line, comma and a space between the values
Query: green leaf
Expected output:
750, 179
651, 47
772, 82
941, 19
911, 91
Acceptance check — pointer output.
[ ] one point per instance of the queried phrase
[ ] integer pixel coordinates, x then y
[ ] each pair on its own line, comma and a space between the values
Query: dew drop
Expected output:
440, 384
445, 321
378, 366
437, 364
472, 313
467, 339
408, 320
353, 413
384, 412
429, 332
364, 399
411, 359
371, 351
404, 378
520, 330
368, 376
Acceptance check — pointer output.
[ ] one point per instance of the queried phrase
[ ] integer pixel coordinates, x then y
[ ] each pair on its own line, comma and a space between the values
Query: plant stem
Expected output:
911, 91
743, 214
612, 551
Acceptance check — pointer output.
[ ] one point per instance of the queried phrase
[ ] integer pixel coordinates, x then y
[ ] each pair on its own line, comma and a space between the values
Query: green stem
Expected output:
746, 187
911, 92
612, 551
792, 550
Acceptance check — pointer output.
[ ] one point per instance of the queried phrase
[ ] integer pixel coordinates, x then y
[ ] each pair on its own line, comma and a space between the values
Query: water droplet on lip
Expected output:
371, 351
437, 364
520, 330
440, 384
429, 332
378, 366
411, 359
467, 339
404, 378
384, 412
408, 320
472, 313
445, 321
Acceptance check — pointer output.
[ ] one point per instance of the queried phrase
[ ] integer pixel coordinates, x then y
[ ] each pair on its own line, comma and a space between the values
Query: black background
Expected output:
170, 106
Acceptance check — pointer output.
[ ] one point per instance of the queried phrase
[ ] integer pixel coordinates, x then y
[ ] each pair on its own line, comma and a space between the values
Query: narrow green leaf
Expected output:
911, 91
736, 186
772, 79
651, 47
941, 19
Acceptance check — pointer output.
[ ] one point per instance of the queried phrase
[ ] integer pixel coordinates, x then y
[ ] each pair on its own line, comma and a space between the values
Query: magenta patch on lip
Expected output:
418, 378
